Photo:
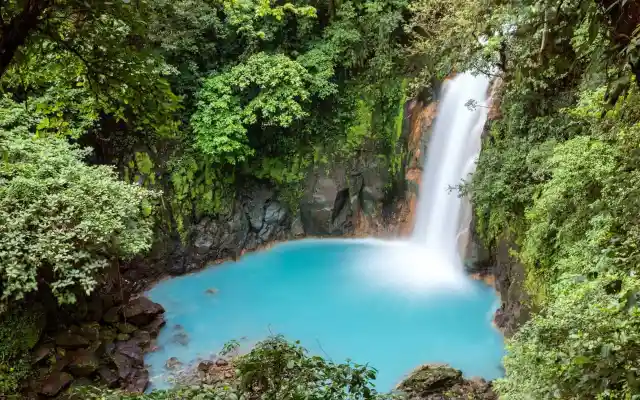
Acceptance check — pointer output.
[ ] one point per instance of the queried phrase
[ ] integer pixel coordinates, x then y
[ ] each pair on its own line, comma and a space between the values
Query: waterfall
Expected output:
432, 260
443, 217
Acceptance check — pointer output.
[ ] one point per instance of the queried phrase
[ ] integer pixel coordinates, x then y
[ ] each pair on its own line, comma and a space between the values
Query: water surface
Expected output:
385, 304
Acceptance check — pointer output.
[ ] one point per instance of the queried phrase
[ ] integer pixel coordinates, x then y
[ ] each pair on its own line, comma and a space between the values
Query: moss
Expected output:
395, 157
361, 128
20, 331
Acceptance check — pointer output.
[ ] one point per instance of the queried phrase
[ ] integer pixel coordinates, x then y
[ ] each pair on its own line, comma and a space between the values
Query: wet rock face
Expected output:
509, 276
336, 198
440, 382
258, 218
496, 265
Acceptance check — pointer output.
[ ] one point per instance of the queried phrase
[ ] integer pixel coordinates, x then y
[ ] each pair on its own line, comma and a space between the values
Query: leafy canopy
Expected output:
61, 221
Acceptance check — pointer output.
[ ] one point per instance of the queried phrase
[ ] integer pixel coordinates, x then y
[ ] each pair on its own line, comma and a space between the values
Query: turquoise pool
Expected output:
373, 302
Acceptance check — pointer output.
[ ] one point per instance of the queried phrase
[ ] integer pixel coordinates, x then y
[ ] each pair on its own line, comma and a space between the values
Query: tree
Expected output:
90, 59
61, 220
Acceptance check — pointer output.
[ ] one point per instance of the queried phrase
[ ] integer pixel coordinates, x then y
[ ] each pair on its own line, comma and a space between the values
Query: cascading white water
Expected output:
432, 260
442, 215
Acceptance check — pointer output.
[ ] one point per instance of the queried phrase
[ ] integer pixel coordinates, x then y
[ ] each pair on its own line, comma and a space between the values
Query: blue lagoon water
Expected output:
382, 303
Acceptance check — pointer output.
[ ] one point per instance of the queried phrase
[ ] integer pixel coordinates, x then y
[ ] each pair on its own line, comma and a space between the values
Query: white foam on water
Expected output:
410, 267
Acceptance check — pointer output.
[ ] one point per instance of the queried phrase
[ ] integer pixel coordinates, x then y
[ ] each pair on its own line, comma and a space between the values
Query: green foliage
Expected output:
277, 369
75, 71
60, 218
583, 346
274, 369
278, 88
198, 188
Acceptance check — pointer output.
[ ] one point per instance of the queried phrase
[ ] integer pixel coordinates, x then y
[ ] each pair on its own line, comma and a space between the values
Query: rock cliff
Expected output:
353, 197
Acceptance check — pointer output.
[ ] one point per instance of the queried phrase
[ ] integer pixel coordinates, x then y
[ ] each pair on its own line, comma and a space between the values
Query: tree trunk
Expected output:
18, 29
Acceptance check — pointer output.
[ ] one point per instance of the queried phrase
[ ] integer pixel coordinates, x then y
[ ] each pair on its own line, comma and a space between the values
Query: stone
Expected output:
180, 338
132, 350
55, 383
108, 377
236, 233
42, 352
173, 363
255, 206
275, 214
154, 327
60, 360
112, 315
96, 347
90, 331
256, 218
107, 335
437, 382
221, 362
123, 364
70, 340
368, 200
138, 382
205, 366
83, 363
142, 338
251, 243
204, 236
141, 311
430, 378
510, 276
125, 327
122, 337
317, 207
265, 233
297, 229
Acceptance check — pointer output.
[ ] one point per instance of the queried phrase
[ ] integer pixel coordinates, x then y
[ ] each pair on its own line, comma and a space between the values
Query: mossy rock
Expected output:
440, 382
91, 331
108, 335
70, 340
123, 337
126, 328
83, 363
429, 379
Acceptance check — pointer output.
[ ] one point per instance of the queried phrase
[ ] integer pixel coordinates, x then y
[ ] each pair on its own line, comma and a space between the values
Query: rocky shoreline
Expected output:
105, 347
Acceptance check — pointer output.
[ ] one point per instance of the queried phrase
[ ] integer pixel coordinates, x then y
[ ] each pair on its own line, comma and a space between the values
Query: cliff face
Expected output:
353, 197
